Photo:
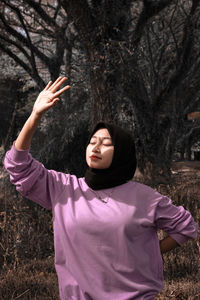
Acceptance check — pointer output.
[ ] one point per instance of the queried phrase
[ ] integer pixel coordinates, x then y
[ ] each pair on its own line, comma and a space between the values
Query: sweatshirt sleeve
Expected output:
32, 179
175, 221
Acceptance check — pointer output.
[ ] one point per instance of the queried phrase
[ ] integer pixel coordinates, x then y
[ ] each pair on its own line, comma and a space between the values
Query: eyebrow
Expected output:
103, 137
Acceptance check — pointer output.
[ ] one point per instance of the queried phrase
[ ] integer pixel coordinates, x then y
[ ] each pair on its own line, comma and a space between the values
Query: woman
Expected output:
105, 225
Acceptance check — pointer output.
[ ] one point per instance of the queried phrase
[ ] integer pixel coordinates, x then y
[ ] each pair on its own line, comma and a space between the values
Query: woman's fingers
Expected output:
52, 88
61, 91
59, 81
53, 102
48, 85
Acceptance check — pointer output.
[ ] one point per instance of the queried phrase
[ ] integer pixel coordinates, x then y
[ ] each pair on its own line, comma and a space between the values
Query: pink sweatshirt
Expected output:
103, 251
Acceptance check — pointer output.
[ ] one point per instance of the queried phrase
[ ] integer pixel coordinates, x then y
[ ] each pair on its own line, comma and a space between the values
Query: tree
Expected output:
138, 53
145, 51
28, 28
41, 40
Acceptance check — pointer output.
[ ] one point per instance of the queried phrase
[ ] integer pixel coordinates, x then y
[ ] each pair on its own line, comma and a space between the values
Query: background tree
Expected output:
145, 51
129, 61
134, 62
42, 42
28, 28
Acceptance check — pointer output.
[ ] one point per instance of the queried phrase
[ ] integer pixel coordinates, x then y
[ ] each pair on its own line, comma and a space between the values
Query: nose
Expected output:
96, 147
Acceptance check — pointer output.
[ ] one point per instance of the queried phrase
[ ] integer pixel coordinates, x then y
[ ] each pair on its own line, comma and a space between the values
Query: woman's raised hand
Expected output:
46, 99
49, 96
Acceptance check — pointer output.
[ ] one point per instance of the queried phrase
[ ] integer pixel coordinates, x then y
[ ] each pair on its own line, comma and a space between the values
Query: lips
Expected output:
94, 157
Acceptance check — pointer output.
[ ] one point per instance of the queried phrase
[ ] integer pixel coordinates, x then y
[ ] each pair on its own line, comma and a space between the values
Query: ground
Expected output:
32, 275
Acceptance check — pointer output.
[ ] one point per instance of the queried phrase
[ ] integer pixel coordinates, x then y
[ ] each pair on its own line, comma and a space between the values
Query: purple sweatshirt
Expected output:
103, 251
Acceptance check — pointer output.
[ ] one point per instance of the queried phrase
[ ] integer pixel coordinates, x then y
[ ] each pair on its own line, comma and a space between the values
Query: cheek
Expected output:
109, 156
87, 152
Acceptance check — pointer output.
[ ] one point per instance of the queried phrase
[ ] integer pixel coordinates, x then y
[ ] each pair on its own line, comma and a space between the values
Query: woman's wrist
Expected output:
36, 116
23, 141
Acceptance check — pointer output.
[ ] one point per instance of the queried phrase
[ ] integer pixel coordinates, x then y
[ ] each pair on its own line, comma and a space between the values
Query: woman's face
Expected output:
99, 152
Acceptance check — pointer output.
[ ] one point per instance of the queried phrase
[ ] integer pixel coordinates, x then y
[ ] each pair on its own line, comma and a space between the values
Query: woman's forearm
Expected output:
23, 141
167, 244
46, 99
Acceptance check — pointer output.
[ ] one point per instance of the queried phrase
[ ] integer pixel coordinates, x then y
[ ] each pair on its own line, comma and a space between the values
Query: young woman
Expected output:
105, 224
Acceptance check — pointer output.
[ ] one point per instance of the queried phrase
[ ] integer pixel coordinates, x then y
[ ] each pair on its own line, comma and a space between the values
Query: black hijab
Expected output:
124, 161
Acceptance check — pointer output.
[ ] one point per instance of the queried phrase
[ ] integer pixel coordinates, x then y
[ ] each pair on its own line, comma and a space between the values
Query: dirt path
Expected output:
186, 166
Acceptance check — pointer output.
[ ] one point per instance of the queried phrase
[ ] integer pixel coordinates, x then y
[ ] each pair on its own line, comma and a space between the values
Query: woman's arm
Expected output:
167, 244
25, 136
176, 222
46, 99
31, 178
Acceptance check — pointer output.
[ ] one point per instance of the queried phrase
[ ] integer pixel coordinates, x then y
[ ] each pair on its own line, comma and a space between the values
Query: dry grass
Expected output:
35, 280
26, 246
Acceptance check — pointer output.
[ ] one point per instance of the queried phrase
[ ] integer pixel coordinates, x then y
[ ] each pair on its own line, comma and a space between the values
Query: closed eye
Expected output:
104, 141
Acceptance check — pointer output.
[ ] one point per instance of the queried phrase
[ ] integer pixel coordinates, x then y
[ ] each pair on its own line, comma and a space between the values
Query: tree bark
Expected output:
101, 106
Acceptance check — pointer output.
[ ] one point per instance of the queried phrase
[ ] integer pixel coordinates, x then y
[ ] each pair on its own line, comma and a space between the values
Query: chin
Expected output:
95, 166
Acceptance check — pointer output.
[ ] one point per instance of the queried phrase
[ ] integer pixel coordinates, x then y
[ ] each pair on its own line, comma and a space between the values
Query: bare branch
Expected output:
183, 65
18, 13
38, 8
150, 9
80, 12
16, 58
17, 45
23, 40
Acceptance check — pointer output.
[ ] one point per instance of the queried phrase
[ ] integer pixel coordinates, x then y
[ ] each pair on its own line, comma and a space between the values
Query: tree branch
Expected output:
16, 58
18, 13
150, 9
37, 7
80, 12
183, 65
18, 46
24, 40
21, 63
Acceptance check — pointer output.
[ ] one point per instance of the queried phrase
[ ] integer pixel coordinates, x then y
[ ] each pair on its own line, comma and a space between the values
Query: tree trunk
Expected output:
188, 152
100, 93
156, 173
68, 68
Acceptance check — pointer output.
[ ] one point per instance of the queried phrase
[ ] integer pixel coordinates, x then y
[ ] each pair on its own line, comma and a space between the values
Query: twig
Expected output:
21, 294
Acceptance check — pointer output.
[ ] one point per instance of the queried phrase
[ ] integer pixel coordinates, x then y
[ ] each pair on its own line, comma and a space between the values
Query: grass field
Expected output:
26, 245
